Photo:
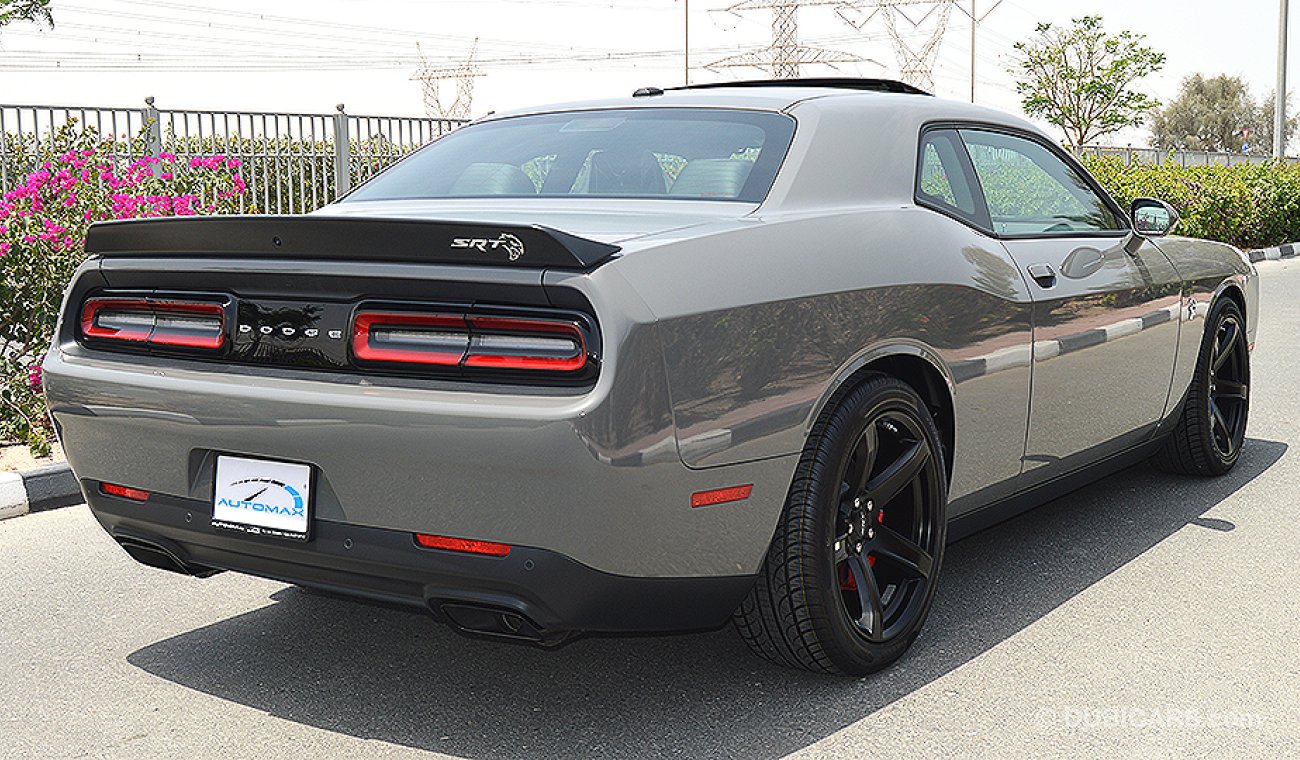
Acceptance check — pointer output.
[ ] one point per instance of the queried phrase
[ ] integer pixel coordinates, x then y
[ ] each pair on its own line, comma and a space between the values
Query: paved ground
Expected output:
1146, 616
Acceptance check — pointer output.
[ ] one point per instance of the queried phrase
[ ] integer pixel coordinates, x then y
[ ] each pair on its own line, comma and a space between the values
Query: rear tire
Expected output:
1211, 427
851, 572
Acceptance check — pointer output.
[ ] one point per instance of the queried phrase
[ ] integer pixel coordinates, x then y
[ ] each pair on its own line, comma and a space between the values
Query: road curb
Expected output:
39, 489
1284, 251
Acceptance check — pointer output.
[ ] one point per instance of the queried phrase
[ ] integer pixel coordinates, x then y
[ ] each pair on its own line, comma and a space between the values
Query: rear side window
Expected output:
683, 153
1032, 191
944, 180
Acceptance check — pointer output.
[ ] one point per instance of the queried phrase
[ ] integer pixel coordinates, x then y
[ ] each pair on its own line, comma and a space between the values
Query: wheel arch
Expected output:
914, 364
1232, 289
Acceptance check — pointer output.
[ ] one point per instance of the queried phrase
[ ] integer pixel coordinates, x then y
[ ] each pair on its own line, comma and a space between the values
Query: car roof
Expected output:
778, 96
774, 98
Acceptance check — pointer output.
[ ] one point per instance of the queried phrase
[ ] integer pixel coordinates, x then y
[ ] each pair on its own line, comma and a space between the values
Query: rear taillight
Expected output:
528, 344
439, 339
470, 340
155, 321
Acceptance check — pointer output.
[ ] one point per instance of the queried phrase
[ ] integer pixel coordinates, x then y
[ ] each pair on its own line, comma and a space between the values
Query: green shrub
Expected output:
43, 225
1249, 206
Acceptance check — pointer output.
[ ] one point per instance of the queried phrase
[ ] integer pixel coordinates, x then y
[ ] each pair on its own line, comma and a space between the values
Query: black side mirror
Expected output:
1152, 218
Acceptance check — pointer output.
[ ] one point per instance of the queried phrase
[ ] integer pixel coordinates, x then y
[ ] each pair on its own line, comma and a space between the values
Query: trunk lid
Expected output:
613, 221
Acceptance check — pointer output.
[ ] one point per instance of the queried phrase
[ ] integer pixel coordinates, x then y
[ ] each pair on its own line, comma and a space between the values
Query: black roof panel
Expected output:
839, 83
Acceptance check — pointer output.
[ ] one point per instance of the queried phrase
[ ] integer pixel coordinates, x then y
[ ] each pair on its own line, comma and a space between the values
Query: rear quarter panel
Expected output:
760, 322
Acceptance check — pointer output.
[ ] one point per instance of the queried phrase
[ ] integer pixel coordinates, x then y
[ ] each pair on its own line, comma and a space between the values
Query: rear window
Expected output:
684, 153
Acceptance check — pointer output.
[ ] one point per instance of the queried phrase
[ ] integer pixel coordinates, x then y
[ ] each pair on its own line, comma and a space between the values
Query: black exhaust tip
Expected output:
483, 620
154, 554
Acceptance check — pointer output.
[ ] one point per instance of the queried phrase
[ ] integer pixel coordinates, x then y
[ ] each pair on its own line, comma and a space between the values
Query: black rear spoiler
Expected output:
355, 238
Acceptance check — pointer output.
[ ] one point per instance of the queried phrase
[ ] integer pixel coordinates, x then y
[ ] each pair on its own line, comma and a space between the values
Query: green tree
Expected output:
1261, 136
1080, 79
1217, 114
36, 11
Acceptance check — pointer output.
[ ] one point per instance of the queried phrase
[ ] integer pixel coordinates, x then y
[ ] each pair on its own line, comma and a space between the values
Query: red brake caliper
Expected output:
848, 582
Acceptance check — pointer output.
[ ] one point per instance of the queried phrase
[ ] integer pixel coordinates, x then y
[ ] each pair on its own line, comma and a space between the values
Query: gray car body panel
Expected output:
727, 328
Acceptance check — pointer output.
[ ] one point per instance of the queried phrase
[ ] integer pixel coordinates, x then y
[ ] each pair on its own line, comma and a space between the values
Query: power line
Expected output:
975, 20
348, 34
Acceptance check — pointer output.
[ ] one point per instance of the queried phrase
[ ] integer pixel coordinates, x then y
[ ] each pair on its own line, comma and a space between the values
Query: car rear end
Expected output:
423, 396
473, 439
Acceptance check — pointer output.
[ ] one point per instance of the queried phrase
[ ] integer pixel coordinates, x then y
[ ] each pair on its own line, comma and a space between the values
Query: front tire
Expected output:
1211, 427
850, 576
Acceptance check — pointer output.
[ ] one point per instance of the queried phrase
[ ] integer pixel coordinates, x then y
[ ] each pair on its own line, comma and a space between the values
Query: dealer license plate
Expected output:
262, 497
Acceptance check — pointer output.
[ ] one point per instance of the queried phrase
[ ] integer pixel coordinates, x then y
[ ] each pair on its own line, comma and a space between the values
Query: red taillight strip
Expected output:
91, 308
721, 495
366, 321
154, 334
134, 494
467, 545
513, 326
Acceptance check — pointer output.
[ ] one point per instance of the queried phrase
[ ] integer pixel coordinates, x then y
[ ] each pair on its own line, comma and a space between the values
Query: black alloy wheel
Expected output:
1211, 426
850, 575
884, 566
1229, 385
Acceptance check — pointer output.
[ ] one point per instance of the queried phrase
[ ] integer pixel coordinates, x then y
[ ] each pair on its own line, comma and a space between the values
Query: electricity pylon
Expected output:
915, 64
432, 77
785, 55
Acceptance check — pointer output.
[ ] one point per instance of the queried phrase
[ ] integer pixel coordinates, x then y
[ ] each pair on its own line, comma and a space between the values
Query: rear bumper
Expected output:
593, 476
552, 596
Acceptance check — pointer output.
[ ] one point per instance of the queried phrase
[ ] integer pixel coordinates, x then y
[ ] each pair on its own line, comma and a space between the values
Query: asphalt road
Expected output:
1145, 616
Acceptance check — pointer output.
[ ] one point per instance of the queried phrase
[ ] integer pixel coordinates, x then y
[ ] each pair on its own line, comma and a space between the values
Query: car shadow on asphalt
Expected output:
396, 676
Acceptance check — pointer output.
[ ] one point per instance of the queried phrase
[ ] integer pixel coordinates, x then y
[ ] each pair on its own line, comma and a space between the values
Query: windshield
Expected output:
684, 153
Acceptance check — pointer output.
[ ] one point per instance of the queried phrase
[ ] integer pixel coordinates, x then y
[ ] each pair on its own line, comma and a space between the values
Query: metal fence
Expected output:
292, 162
1180, 157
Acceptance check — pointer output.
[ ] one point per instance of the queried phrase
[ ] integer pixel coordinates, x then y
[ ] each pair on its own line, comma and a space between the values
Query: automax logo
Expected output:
256, 502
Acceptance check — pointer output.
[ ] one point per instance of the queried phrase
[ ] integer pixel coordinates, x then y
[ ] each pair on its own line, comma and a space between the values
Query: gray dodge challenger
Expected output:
751, 352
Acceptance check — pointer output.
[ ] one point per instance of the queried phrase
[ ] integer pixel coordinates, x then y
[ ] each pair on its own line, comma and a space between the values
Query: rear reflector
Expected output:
458, 340
462, 545
720, 495
134, 494
155, 322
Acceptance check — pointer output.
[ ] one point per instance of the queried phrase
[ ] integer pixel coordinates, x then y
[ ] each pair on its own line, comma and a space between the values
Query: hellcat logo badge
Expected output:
513, 246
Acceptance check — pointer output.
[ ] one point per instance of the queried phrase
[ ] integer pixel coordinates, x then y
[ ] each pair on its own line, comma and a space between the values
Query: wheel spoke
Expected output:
1228, 389
1225, 346
899, 473
893, 545
863, 460
1221, 427
872, 619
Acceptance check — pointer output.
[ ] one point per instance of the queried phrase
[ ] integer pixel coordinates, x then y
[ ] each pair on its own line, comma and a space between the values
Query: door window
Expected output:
1032, 191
